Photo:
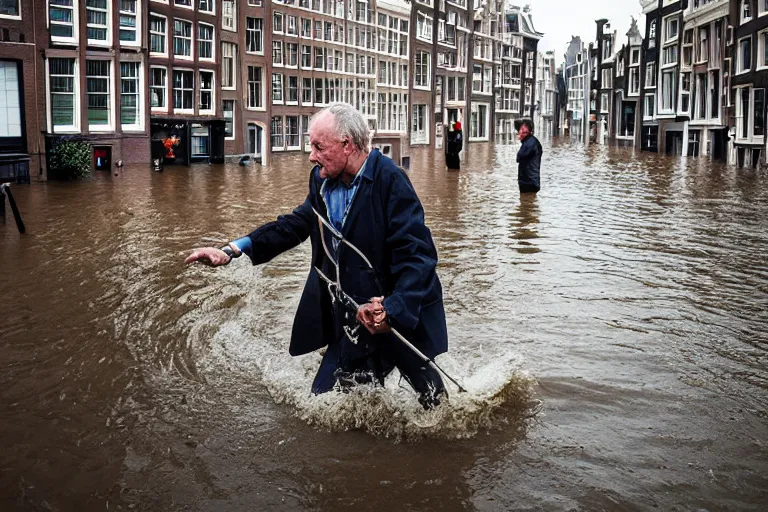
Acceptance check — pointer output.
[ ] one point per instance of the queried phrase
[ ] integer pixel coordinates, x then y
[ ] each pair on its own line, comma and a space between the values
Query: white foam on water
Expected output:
498, 389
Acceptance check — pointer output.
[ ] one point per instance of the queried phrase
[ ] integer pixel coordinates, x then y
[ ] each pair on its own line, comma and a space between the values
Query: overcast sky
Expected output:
560, 19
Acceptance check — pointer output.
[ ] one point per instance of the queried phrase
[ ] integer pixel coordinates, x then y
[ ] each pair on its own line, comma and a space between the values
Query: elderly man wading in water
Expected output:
385, 262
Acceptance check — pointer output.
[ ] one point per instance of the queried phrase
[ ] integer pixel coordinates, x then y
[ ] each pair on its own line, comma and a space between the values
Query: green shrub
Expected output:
70, 159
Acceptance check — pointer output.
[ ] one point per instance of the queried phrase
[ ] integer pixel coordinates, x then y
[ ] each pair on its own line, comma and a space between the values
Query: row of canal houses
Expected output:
694, 84
182, 81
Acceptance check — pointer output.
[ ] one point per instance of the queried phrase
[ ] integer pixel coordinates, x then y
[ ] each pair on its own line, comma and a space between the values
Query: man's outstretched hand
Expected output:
373, 316
210, 256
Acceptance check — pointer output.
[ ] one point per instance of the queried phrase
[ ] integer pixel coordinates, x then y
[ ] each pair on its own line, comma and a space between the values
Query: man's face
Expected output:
523, 133
328, 151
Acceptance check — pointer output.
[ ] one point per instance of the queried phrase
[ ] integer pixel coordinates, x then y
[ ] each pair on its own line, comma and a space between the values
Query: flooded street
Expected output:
630, 297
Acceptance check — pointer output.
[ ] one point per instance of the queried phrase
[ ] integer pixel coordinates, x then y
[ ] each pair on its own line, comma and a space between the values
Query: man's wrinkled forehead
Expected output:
322, 126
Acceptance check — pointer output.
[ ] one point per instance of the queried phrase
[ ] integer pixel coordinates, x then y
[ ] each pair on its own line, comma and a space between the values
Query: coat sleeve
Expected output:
413, 256
285, 233
527, 150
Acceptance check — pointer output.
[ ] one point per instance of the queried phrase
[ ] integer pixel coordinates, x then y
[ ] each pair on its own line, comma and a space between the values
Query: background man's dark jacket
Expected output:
386, 222
529, 163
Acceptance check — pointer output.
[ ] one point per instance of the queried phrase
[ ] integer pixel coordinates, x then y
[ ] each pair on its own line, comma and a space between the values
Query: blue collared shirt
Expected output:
338, 197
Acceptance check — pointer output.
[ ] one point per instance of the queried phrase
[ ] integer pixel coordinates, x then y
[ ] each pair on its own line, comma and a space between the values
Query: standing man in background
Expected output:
528, 159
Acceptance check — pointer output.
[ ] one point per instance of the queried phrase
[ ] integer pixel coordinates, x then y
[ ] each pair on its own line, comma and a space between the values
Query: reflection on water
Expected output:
633, 288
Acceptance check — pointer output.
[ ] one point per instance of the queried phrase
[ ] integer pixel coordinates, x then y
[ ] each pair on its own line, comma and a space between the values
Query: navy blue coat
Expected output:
529, 162
386, 222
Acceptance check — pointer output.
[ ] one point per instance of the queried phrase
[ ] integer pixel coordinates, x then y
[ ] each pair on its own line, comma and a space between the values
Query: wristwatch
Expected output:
229, 250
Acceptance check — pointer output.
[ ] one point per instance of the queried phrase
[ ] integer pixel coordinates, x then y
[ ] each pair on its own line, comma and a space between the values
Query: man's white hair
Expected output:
347, 122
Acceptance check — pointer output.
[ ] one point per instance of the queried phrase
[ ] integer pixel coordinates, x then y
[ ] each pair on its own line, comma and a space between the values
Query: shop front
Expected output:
187, 141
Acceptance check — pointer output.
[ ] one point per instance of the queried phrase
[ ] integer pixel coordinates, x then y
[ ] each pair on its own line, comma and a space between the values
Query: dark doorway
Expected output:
673, 143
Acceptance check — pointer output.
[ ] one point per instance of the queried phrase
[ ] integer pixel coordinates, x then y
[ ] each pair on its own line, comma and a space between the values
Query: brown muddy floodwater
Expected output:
630, 297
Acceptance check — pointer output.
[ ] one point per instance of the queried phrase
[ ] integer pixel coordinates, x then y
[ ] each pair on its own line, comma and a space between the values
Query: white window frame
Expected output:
139, 125
234, 116
229, 20
604, 103
653, 74
285, 132
487, 121
272, 82
761, 36
224, 58
13, 16
423, 61
75, 25
211, 11
164, 53
282, 133
107, 41
137, 28
208, 111
667, 21
75, 127
426, 24
673, 81
211, 42
258, 33
748, 4
262, 89
422, 136
649, 98
740, 69
636, 71
176, 109
164, 89
682, 92
275, 16
110, 126
191, 39
181, 5
762, 7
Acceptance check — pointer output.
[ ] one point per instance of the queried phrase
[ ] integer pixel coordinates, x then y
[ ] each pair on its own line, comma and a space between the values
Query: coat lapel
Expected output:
363, 194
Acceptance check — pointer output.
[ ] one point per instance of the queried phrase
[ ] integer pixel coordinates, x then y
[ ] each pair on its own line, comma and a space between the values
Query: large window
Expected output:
650, 75
10, 8
206, 6
182, 38
254, 35
97, 85
61, 16
422, 69
158, 88
97, 21
10, 106
229, 15
649, 106
292, 136
200, 140
668, 90
634, 81
478, 122
62, 76
205, 41
228, 109
419, 125
293, 90
183, 90
276, 132
228, 65
129, 22
277, 87
157, 34
758, 112
130, 95
277, 53
744, 58
255, 87
206, 92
